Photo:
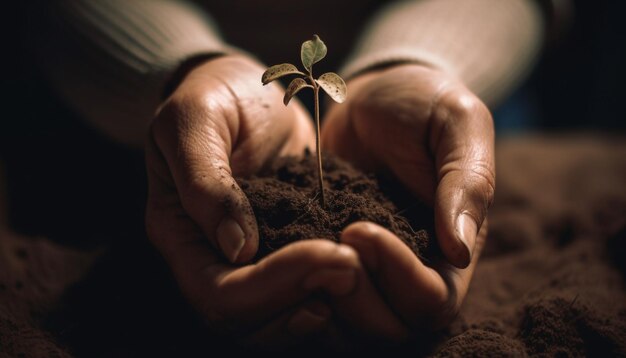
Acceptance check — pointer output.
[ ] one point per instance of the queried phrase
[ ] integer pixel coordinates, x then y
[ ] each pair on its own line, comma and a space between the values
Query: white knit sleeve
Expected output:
110, 59
489, 44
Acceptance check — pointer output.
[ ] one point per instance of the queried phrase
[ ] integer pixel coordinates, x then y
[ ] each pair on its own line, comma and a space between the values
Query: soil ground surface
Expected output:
551, 281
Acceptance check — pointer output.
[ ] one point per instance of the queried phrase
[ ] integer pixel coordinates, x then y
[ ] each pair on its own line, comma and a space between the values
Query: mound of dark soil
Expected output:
551, 280
286, 204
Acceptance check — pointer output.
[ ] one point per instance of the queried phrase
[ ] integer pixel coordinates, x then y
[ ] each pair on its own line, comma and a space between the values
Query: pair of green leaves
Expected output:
312, 52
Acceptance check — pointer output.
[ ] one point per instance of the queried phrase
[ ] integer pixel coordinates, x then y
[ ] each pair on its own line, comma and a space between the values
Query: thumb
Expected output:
461, 204
221, 209
462, 138
197, 155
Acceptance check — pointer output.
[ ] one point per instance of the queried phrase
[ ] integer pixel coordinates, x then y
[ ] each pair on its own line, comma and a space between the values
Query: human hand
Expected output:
220, 122
437, 137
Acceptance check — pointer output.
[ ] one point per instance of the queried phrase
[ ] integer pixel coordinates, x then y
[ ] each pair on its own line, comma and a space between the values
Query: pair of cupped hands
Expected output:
417, 122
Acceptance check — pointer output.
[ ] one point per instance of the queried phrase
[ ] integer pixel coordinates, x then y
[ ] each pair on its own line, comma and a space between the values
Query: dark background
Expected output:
578, 83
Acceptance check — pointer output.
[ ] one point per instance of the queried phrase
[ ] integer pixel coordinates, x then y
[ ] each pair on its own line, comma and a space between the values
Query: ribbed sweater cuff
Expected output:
490, 45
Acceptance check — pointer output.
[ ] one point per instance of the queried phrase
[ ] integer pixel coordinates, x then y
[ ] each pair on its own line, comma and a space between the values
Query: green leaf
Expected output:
278, 71
294, 87
334, 86
312, 52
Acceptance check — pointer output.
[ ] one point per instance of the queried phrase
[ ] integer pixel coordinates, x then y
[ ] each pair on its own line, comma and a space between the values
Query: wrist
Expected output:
371, 74
225, 69
184, 69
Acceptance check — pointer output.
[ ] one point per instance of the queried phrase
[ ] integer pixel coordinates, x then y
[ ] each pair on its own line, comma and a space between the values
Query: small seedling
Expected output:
312, 52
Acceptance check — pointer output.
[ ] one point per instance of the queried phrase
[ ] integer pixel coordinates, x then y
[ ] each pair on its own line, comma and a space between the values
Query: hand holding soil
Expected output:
437, 138
220, 122
217, 124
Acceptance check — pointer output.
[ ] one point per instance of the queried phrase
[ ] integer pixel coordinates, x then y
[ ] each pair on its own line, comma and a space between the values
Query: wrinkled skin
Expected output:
220, 122
437, 137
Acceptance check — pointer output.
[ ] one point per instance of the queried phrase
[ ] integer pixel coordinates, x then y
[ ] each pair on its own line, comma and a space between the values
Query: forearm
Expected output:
111, 60
490, 45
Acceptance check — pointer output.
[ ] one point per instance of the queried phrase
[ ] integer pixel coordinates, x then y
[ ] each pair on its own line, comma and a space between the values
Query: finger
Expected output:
218, 123
462, 139
286, 277
249, 294
368, 314
258, 291
413, 290
239, 299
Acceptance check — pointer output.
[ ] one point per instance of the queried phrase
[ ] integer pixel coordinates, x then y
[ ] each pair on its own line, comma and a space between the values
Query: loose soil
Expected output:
551, 281
287, 208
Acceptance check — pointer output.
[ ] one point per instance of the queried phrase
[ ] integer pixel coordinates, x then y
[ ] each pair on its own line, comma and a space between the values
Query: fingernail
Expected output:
231, 238
466, 232
338, 282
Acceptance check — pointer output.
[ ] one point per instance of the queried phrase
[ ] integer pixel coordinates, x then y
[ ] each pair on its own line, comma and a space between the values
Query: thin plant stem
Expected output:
316, 91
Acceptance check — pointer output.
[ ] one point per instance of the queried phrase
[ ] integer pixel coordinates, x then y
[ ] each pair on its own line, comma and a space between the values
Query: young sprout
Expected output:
312, 52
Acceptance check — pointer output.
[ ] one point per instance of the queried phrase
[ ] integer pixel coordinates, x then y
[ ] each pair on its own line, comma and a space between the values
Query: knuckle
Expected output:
170, 115
461, 103
458, 103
